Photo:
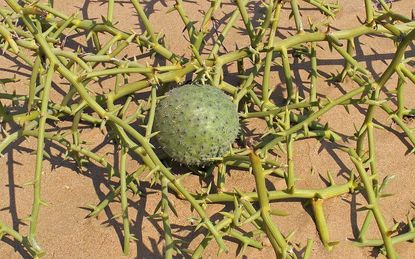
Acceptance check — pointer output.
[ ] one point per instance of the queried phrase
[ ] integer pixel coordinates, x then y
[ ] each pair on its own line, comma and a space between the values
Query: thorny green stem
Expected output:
368, 127
10, 138
33, 83
407, 73
369, 11
329, 9
149, 127
395, 240
369, 217
34, 251
381, 83
189, 25
221, 38
221, 177
124, 201
268, 58
400, 98
309, 249
287, 75
297, 16
347, 64
248, 25
270, 6
373, 204
365, 226
280, 246
317, 205
39, 157
113, 193
408, 132
312, 117
314, 73
290, 177
110, 10
197, 253
145, 20
8, 37
168, 238
326, 193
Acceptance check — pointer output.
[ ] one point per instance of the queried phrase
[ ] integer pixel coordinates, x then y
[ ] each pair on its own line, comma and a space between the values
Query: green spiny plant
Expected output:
35, 33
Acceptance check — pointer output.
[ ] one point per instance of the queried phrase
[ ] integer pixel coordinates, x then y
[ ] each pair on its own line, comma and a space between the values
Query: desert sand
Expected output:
65, 232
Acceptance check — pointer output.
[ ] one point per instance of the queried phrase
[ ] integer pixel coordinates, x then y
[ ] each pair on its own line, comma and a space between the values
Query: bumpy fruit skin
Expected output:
196, 123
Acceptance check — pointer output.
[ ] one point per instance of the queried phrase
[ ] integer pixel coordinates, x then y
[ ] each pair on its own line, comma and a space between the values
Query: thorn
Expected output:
346, 107
44, 203
244, 246
152, 135
201, 224
385, 195
28, 183
370, 206
290, 235
133, 238
378, 126
331, 180
227, 214
278, 212
26, 219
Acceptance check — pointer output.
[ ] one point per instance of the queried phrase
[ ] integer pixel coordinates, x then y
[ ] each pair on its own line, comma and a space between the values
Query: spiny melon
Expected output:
196, 123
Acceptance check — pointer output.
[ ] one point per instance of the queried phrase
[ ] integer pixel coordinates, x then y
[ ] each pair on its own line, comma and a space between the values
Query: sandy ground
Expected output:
64, 232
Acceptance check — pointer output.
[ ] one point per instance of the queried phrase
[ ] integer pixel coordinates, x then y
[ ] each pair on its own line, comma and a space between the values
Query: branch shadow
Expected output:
17, 247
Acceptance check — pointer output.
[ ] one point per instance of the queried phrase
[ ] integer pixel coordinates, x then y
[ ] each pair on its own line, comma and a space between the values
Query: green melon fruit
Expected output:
196, 123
